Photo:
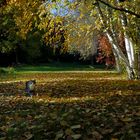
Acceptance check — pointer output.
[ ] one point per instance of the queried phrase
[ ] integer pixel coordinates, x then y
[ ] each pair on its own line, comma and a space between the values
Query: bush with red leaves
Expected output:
105, 53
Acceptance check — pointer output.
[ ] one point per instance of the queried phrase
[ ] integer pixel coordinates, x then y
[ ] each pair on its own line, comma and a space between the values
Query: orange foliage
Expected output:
105, 54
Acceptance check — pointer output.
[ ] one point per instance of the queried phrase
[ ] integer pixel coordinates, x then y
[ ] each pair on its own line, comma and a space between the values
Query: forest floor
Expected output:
70, 106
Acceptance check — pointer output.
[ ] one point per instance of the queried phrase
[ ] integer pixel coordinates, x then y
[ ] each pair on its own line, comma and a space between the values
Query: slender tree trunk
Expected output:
129, 50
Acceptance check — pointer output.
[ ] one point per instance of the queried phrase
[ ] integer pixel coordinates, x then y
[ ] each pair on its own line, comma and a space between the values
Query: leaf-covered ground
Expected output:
70, 106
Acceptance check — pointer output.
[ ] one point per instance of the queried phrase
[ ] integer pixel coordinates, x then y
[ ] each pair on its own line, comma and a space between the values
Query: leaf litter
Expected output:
71, 109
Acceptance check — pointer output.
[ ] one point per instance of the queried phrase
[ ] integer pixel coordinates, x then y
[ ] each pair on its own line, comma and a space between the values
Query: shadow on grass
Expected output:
60, 67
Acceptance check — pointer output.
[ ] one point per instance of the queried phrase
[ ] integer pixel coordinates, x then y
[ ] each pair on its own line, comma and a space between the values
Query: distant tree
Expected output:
18, 18
81, 37
27, 25
105, 53
8, 36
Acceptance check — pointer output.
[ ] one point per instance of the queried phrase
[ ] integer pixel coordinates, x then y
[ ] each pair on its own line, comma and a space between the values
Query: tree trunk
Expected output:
129, 50
130, 55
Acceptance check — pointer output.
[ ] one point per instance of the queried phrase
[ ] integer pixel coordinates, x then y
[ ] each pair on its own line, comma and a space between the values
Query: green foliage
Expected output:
28, 26
18, 19
71, 106
8, 29
7, 71
32, 46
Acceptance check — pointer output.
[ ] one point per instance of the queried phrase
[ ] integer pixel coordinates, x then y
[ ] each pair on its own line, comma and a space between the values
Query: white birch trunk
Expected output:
129, 50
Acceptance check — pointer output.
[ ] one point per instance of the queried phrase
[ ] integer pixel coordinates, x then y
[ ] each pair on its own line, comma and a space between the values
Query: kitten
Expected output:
30, 87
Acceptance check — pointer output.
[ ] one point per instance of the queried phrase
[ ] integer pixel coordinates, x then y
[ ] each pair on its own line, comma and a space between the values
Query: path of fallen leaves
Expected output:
70, 106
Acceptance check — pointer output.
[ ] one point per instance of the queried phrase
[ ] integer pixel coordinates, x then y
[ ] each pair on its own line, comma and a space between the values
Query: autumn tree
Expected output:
124, 20
113, 18
18, 18
80, 26
8, 36
27, 25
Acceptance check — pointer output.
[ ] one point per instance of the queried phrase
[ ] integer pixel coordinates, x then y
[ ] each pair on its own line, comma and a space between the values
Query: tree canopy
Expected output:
71, 25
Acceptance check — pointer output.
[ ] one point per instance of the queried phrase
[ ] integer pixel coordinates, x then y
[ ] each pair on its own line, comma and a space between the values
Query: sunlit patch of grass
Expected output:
45, 77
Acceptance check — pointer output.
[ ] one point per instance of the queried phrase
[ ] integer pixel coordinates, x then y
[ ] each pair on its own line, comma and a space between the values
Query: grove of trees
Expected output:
35, 29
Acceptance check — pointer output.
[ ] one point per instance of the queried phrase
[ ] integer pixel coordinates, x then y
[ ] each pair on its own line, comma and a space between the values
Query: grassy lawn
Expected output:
21, 72
57, 67
70, 106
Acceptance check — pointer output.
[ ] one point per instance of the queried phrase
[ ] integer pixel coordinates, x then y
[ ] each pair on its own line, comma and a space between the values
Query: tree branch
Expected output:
120, 9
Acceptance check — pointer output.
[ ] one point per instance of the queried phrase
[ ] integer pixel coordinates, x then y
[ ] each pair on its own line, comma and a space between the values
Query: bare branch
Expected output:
120, 9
